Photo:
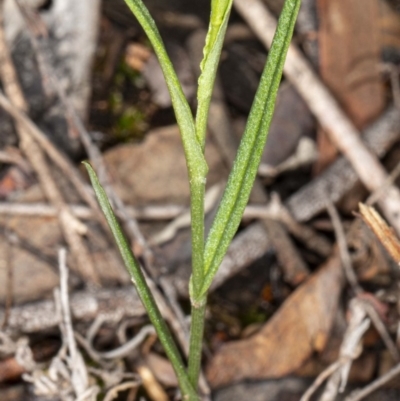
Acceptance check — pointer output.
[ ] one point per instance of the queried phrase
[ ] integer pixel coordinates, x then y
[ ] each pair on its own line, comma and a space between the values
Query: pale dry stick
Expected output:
152, 213
212, 196
125, 349
117, 353
79, 374
343, 249
340, 177
320, 379
115, 304
352, 279
358, 395
304, 155
326, 109
71, 227
91, 352
305, 234
350, 349
374, 197
277, 211
113, 393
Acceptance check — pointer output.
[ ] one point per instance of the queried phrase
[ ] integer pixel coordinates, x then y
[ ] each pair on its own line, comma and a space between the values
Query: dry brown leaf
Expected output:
300, 327
162, 369
349, 60
385, 234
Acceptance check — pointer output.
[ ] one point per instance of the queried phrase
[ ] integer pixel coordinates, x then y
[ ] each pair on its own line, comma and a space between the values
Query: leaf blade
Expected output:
220, 12
244, 171
196, 163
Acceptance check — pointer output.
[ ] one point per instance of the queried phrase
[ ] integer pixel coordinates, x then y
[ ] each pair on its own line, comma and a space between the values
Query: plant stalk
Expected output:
197, 193
196, 342
196, 281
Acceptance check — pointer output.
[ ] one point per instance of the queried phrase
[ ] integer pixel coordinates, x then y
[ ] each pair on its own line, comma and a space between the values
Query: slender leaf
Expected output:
220, 11
244, 171
197, 165
142, 288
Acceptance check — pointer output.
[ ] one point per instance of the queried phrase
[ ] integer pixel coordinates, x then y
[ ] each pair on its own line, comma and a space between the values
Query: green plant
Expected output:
206, 255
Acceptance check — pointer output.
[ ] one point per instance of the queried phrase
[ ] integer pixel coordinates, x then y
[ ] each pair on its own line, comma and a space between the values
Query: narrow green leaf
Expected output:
143, 290
244, 171
220, 11
195, 160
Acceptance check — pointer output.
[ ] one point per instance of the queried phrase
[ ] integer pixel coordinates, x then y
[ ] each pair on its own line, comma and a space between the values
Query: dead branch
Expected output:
112, 304
340, 177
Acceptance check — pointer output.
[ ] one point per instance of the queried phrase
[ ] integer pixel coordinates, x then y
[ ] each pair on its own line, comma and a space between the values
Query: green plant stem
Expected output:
196, 342
197, 193
196, 281
143, 290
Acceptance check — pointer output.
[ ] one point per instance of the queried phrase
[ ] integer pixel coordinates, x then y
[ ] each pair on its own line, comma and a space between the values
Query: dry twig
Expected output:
113, 393
340, 177
166, 212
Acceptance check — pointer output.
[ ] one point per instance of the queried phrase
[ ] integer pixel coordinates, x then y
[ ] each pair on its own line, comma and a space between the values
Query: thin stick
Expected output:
113, 393
358, 395
374, 196
82, 212
326, 109
320, 379
343, 250
79, 375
